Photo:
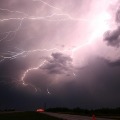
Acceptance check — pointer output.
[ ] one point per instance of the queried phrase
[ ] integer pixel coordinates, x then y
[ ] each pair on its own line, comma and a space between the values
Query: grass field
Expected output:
25, 116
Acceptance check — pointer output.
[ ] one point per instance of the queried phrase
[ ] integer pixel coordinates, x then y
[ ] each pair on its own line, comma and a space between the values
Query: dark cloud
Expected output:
102, 82
113, 37
58, 64
118, 15
114, 64
97, 85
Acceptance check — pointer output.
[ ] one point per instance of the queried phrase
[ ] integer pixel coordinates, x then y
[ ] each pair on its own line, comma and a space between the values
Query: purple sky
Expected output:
64, 53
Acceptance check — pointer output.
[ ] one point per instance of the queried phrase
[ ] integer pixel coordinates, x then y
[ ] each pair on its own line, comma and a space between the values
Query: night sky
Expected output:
65, 53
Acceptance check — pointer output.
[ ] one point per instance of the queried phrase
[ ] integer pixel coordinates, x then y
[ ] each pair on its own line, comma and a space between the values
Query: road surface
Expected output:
73, 117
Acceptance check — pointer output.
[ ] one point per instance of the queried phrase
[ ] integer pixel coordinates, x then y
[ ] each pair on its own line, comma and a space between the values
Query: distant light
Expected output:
40, 110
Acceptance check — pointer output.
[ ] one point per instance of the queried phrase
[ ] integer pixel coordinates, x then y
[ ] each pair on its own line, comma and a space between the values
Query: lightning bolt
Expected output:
58, 15
27, 71
49, 5
62, 17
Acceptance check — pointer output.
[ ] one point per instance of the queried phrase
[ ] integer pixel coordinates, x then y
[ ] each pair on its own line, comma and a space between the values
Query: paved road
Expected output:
73, 117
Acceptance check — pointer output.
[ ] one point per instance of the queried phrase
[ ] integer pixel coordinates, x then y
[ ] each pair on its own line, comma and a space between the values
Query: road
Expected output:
73, 117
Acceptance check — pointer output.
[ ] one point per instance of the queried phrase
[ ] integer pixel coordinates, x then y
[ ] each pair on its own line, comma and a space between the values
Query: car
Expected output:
40, 110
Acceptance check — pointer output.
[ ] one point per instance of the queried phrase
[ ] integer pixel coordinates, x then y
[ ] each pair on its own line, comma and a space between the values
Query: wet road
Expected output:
73, 117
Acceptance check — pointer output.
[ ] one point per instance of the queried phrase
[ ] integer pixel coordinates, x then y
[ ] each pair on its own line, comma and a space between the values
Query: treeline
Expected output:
102, 111
7, 110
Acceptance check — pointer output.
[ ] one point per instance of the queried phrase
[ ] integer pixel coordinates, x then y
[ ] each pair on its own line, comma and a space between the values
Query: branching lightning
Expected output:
100, 20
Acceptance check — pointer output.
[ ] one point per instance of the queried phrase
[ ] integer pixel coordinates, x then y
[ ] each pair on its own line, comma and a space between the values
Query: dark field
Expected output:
25, 116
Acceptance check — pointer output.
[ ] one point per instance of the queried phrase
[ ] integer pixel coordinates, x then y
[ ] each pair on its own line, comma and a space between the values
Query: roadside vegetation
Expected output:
25, 116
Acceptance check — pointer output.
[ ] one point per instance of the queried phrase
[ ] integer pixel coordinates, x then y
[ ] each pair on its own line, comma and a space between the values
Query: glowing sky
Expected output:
54, 50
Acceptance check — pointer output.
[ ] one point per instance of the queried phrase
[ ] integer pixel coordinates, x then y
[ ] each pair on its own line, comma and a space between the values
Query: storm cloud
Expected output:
112, 37
58, 48
114, 64
58, 64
